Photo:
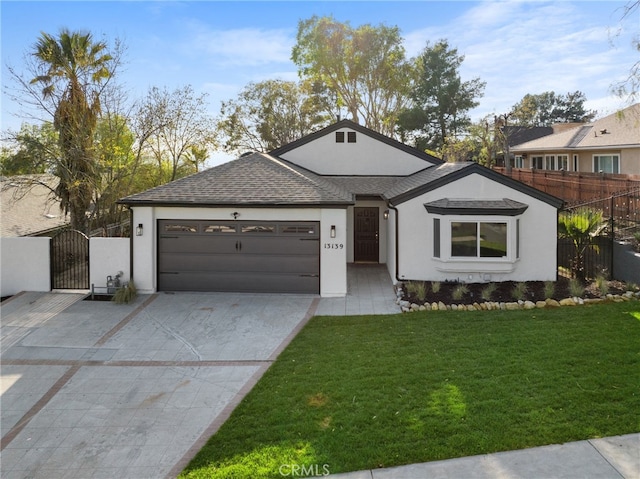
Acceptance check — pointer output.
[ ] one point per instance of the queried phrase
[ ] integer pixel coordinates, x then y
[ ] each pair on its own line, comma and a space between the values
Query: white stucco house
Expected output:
291, 220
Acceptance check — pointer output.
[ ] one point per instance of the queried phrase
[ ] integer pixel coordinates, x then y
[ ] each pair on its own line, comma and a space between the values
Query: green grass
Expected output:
365, 392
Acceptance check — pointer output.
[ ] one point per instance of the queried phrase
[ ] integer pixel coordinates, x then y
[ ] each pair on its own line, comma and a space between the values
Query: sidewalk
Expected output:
608, 458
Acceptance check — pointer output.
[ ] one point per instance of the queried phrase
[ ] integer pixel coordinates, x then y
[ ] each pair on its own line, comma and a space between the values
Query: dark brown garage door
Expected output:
242, 256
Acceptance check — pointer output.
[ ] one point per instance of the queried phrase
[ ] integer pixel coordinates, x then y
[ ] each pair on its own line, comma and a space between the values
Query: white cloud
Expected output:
244, 47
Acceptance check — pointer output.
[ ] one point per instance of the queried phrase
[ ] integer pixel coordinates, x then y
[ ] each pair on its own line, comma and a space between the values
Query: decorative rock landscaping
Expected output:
407, 306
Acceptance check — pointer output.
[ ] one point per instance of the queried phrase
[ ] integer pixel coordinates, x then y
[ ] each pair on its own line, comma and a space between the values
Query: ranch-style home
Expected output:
292, 220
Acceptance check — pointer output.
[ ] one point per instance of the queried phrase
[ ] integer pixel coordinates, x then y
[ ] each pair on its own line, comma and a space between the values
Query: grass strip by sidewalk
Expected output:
352, 393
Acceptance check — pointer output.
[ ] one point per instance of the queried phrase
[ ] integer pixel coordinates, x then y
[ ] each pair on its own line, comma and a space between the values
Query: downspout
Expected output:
131, 235
397, 248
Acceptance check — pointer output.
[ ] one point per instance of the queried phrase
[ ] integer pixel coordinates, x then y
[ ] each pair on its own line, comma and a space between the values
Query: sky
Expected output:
218, 47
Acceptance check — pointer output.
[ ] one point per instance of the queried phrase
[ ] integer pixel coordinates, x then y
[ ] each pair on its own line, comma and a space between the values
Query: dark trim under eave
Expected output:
444, 211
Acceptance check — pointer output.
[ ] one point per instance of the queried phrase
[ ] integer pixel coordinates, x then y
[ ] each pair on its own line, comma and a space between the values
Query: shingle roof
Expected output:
257, 179
365, 185
437, 176
505, 206
28, 207
619, 130
421, 178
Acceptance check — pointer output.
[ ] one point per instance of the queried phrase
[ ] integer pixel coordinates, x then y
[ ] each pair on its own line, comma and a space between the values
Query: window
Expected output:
576, 162
297, 229
519, 161
339, 136
180, 228
220, 229
478, 239
550, 162
606, 164
563, 162
259, 229
436, 237
351, 136
536, 162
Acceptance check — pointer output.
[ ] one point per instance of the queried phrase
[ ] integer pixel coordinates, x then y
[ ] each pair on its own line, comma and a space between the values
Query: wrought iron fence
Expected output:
590, 255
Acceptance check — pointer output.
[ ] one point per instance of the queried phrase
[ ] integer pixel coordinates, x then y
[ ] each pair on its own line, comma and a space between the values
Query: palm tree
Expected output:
74, 68
581, 227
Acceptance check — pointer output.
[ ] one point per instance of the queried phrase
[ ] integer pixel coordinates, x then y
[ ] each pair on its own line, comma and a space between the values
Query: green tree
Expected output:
581, 227
548, 108
441, 100
364, 67
34, 149
72, 69
272, 113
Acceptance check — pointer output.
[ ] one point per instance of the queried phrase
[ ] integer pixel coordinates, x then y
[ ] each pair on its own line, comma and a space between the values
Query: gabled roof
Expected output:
257, 179
619, 130
361, 129
365, 185
437, 176
521, 134
28, 206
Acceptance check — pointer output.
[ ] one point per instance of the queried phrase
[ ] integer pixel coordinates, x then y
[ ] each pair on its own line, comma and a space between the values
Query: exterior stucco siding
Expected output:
537, 237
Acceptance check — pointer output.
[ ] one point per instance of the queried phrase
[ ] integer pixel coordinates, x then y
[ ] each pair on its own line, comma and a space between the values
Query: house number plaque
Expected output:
333, 246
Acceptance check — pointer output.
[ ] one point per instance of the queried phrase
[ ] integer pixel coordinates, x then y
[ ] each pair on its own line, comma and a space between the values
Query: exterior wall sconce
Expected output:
333, 231
385, 215
139, 230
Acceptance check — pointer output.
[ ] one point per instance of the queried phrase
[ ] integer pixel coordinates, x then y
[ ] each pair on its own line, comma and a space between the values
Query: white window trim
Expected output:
445, 239
593, 161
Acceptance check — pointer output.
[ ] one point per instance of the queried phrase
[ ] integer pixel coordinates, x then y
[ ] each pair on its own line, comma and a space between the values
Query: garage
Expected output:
239, 256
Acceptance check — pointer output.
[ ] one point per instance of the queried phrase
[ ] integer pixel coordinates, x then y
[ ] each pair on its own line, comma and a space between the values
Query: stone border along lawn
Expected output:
408, 307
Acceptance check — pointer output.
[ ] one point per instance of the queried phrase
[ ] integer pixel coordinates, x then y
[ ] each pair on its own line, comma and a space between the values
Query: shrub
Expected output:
519, 291
603, 285
488, 291
125, 294
575, 287
549, 289
418, 289
435, 286
459, 291
632, 287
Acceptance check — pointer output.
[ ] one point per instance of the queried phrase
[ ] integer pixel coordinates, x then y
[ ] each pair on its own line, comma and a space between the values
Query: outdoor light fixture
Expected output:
139, 230
333, 231
385, 215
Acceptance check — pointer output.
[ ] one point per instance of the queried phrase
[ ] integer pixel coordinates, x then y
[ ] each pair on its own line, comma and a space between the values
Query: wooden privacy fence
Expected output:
574, 187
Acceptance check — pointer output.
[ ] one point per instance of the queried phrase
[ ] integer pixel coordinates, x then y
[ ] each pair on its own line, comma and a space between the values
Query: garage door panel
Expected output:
249, 256
196, 244
183, 262
238, 282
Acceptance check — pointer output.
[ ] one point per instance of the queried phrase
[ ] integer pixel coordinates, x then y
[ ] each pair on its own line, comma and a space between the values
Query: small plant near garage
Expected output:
125, 294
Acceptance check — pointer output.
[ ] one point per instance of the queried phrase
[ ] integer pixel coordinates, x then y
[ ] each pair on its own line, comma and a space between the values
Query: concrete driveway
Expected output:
95, 389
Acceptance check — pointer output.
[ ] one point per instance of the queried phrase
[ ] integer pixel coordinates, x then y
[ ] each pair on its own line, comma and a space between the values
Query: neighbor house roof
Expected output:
361, 129
28, 206
257, 179
619, 130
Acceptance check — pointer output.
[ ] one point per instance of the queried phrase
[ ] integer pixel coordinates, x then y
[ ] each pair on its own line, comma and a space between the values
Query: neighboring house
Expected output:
28, 206
291, 220
608, 145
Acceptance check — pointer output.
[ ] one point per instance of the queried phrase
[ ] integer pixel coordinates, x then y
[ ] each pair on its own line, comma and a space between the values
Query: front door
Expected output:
366, 234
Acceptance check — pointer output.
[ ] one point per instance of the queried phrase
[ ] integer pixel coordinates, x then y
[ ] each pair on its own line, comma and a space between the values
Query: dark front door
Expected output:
365, 244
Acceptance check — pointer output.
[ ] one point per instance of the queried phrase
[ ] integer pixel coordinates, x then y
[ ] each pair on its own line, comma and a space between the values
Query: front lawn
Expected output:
364, 392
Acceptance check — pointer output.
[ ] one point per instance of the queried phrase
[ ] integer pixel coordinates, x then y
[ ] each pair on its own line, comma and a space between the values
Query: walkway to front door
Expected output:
369, 291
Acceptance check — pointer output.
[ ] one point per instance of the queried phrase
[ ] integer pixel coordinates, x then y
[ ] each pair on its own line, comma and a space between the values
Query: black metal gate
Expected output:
70, 260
